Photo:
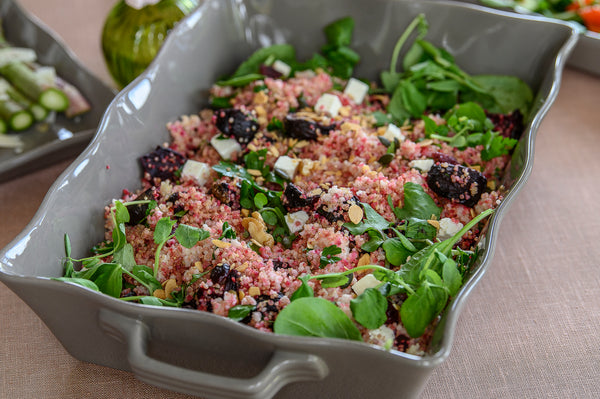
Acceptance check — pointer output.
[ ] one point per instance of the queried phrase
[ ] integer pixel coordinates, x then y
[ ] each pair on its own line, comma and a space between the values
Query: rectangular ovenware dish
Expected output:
204, 354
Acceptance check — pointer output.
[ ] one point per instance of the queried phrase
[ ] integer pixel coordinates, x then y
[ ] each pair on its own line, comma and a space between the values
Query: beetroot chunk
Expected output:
234, 123
305, 129
456, 182
162, 163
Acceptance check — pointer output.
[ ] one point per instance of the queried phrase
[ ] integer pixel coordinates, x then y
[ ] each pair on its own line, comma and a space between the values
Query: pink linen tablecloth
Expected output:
530, 329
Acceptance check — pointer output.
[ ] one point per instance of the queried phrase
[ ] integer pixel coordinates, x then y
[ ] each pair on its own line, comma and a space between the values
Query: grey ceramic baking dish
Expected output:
211, 356
46, 143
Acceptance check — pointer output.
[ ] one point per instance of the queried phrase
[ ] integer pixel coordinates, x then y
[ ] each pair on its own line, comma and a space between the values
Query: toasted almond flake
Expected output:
349, 126
254, 172
274, 151
426, 143
344, 111
170, 285
260, 111
260, 98
221, 244
245, 212
258, 244
316, 191
241, 295
242, 267
491, 184
364, 260
253, 291
434, 223
252, 147
355, 213
473, 214
199, 266
476, 167
302, 144
160, 294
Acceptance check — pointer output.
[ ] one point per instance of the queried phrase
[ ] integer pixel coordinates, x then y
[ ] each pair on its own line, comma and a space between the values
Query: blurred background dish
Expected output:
585, 14
60, 137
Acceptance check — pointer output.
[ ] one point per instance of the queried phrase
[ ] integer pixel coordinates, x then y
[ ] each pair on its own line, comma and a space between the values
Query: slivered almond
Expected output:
434, 223
170, 285
364, 260
254, 172
242, 267
260, 98
273, 150
160, 294
355, 213
221, 244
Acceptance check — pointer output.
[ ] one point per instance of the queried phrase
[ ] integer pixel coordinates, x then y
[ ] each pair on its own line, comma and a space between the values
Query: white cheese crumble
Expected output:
448, 228
225, 147
286, 166
356, 90
282, 68
421, 164
329, 104
197, 171
368, 281
393, 132
296, 221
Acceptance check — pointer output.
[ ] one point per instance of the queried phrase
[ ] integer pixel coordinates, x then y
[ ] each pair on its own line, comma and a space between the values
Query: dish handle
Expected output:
283, 368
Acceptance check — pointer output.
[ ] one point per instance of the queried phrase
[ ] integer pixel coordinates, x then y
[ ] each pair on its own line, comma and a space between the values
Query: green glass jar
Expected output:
133, 32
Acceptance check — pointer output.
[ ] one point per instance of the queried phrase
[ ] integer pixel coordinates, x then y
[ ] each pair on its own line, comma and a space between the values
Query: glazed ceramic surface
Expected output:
45, 143
211, 356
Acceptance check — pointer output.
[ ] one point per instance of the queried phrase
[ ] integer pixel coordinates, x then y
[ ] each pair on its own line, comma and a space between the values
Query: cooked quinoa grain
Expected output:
323, 168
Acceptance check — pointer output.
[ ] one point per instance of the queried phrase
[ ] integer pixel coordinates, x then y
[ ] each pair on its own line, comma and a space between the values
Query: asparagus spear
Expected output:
25, 80
17, 117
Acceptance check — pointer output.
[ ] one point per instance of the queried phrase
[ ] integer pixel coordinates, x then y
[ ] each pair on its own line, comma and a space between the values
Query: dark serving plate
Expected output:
46, 143
211, 356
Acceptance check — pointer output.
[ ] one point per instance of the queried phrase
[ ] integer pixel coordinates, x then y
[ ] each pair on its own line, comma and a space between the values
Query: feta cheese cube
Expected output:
368, 281
393, 132
197, 171
286, 167
448, 228
296, 221
356, 90
225, 147
329, 104
422, 164
282, 68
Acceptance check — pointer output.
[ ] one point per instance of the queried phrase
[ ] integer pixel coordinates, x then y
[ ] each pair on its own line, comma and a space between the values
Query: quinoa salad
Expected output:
306, 201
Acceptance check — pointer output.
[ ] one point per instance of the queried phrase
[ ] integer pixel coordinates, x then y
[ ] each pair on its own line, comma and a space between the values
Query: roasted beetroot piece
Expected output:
234, 123
304, 128
269, 72
294, 199
508, 125
162, 163
137, 212
219, 274
441, 157
231, 283
225, 192
459, 183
